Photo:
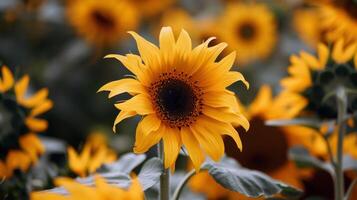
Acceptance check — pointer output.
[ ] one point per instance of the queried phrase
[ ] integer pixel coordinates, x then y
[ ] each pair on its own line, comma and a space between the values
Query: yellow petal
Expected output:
78, 163
148, 51
167, 42
36, 125
32, 145
121, 116
123, 85
227, 117
132, 65
7, 79
183, 44
262, 101
16, 159
140, 103
223, 129
147, 125
210, 141
36, 99
3, 170
21, 87
41, 108
193, 148
172, 145
97, 160
310, 60
323, 53
144, 141
221, 99
46, 195
341, 54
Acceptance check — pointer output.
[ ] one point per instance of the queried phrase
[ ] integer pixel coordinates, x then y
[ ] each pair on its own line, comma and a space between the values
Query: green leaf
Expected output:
247, 182
304, 159
150, 173
126, 163
309, 122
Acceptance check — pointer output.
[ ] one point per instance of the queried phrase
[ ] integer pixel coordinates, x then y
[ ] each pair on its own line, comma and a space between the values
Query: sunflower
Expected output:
179, 19
312, 78
307, 24
19, 111
271, 155
102, 23
101, 190
151, 8
93, 155
181, 95
250, 29
340, 20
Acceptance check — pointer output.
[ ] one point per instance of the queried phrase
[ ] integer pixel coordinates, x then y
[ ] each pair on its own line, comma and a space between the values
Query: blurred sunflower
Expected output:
93, 155
340, 20
266, 147
181, 94
151, 8
102, 23
19, 111
179, 19
249, 29
101, 190
307, 24
312, 78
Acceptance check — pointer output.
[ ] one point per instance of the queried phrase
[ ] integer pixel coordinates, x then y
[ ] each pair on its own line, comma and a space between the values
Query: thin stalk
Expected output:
329, 150
165, 176
341, 113
182, 184
350, 189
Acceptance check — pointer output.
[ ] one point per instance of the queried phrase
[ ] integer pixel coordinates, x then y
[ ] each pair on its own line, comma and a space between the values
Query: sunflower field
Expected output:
178, 99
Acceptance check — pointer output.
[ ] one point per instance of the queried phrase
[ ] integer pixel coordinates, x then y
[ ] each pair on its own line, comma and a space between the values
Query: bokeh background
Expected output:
38, 38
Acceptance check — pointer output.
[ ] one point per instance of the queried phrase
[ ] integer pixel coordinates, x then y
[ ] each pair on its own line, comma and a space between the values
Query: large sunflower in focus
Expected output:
249, 29
102, 23
19, 111
181, 95
339, 18
266, 147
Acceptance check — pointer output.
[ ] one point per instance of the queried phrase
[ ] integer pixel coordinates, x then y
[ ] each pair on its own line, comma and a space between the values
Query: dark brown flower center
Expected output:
324, 81
265, 147
102, 19
11, 123
246, 31
350, 6
176, 99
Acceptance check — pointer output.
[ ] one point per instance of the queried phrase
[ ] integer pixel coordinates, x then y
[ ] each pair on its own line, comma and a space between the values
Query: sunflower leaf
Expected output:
309, 122
125, 164
251, 183
303, 159
150, 173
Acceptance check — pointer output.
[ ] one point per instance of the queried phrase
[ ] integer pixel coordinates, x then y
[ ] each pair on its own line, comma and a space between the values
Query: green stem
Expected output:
182, 184
350, 189
165, 175
341, 113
